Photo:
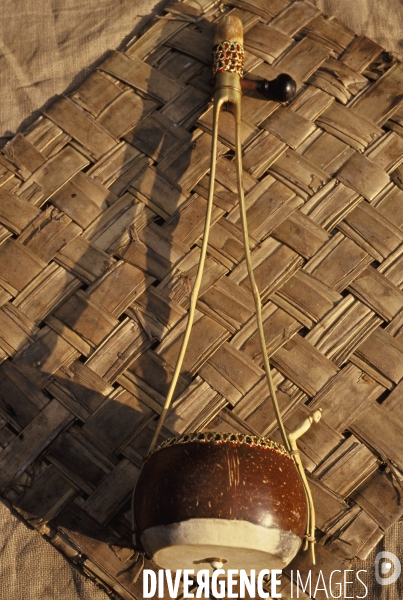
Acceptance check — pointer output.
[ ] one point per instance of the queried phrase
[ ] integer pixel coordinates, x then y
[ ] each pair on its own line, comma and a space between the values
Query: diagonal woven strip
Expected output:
102, 203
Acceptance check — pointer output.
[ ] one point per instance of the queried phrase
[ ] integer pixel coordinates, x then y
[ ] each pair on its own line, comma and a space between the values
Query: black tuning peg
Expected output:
281, 89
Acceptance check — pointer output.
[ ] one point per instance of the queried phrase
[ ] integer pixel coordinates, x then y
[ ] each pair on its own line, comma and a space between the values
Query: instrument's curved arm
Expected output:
313, 417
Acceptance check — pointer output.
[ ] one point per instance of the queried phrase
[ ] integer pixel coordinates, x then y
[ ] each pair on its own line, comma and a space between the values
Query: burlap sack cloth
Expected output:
47, 46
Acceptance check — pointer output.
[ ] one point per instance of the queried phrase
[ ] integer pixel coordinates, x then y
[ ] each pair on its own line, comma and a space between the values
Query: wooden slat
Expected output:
33, 439
55, 172
24, 154
388, 152
121, 159
304, 365
303, 59
20, 401
351, 457
47, 137
49, 233
18, 265
84, 260
383, 352
156, 192
82, 199
80, 126
273, 263
116, 421
96, 92
110, 224
261, 8
302, 234
329, 32
157, 136
331, 204
192, 43
193, 103
156, 312
383, 98
354, 530
331, 152
119, 287
261, 153
360, 53
390, 442
45, 356
240, 376
343, 329
295, 16
289, 126
80, 461
119, 349
86, 317
16, 330
318, 443
184, 418
226, 130
112, 494
335, 398
80, 389
48, 494
46, 291
339, 80
278, 326
201, 347
308, 295
141, 76
363, 176
338, 262
348, 127
299, 174
378, 293
266, 42
15, 213
123, 112
377, 496
372, 231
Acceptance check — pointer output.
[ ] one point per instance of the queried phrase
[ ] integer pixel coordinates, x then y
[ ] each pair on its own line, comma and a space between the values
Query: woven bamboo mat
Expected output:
102, 204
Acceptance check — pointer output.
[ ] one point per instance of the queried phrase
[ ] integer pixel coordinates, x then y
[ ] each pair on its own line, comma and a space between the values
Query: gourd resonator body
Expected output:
232, 498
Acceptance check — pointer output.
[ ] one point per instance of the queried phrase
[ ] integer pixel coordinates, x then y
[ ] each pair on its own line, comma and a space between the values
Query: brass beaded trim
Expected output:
219, 438
228, 56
